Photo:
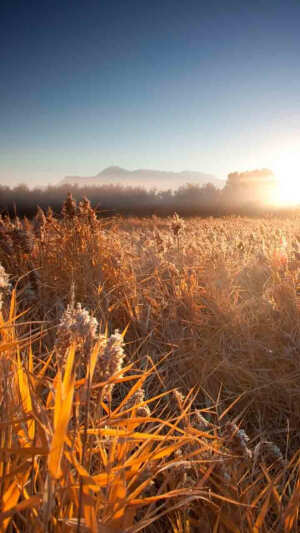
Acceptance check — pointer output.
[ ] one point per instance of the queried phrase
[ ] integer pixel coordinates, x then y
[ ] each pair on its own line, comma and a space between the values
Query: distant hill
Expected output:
147, 178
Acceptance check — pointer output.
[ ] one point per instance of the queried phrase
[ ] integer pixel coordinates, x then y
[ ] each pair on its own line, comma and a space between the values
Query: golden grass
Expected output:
96, 435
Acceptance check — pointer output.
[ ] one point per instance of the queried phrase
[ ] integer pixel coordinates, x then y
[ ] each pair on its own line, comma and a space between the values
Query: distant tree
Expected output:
194, 194
250, 187
250, 177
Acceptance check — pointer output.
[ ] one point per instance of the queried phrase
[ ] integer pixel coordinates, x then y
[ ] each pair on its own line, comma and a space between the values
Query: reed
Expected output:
149, 373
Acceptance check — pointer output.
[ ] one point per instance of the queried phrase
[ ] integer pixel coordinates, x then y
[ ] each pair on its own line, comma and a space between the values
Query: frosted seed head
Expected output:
4, 284
236, 439
177, 224
76, 324
69, 207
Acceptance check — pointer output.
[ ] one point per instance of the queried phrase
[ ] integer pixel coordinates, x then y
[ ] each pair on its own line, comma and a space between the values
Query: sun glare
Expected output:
287, 171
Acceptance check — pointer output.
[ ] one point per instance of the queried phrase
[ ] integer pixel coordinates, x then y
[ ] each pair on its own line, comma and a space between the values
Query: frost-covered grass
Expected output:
149, 373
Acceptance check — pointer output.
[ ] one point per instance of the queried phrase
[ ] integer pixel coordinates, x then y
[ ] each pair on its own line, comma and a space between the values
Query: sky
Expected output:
171, 85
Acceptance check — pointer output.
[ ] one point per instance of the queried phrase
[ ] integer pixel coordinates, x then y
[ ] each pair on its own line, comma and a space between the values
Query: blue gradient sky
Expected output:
210, 86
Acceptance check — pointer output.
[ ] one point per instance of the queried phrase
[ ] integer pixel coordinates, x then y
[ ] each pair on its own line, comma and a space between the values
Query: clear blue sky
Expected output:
84, 84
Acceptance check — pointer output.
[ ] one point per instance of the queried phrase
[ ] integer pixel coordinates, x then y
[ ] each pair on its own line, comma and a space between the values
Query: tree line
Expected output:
243, 192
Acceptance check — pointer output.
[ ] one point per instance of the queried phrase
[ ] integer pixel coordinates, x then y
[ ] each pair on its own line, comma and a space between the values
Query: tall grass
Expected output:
149, 374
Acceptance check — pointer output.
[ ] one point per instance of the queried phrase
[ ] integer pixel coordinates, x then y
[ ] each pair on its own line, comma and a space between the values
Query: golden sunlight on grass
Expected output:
167, 400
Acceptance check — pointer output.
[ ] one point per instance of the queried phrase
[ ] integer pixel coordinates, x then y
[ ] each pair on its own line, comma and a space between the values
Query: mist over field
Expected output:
244, 192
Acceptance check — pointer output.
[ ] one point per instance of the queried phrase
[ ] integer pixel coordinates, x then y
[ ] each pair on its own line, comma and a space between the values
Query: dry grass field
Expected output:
150, 374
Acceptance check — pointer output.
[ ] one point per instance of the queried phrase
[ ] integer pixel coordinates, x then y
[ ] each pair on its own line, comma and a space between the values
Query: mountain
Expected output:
142, 177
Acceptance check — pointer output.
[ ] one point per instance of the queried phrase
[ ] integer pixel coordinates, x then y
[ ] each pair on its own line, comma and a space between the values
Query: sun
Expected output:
287, 171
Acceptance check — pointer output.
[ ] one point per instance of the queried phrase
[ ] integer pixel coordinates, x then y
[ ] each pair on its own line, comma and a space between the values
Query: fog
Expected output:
243, 193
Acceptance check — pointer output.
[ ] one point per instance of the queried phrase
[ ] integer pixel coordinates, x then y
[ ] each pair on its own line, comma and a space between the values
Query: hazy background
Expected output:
170, 85
251, 193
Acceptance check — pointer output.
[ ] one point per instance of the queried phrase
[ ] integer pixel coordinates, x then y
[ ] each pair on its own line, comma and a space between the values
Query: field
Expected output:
150, 373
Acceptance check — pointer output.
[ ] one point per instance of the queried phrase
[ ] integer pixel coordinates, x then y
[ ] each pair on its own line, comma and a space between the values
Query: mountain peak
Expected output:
161, 179
109, 171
